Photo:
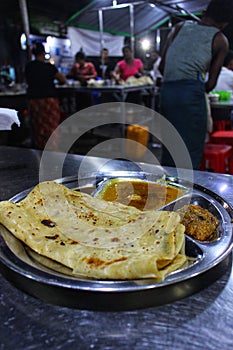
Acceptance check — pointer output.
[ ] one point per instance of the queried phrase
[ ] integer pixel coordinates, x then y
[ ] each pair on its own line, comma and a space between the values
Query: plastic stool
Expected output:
219, 125
224, 137
216, 158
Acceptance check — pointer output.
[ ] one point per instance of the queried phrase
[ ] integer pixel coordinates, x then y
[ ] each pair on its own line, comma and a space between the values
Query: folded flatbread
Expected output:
95, 238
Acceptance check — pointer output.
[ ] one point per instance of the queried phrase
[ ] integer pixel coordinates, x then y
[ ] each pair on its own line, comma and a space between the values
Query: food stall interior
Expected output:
130, 21
45, 300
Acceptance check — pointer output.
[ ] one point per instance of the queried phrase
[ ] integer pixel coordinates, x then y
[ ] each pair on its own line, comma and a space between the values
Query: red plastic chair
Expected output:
224, 137
217, 158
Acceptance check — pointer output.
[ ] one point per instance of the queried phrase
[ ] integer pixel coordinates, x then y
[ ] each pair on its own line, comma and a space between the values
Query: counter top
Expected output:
201, 321
77, 88
120, 89
222, 104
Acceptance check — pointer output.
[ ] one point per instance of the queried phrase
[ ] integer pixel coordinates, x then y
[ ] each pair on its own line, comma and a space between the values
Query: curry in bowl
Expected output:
200, 223
141, 194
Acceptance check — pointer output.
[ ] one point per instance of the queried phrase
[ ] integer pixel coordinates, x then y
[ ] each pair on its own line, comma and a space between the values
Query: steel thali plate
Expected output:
211, 258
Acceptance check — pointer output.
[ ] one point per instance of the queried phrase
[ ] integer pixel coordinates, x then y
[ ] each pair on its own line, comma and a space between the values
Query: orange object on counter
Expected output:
139, 134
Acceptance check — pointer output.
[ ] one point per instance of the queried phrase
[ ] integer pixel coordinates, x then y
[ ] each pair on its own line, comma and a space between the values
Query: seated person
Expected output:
129, 66
82, 70
104, 65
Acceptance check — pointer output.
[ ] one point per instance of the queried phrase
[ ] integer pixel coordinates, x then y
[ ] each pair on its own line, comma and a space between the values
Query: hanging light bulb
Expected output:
145, 44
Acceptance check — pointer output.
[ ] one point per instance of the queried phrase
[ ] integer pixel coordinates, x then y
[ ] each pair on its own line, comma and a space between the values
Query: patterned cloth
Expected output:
45, 116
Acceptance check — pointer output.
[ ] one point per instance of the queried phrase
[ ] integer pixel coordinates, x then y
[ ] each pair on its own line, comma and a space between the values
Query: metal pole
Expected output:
24, 14
132, 39
101, 27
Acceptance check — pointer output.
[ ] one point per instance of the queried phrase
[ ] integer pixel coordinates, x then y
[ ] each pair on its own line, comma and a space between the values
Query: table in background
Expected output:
201, 321
222, 104
18, 99
118, 92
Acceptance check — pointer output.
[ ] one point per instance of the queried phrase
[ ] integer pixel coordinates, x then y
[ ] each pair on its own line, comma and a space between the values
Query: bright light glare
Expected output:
145, 44
23, 41
222, 188
50, 40
114, 3
47, 48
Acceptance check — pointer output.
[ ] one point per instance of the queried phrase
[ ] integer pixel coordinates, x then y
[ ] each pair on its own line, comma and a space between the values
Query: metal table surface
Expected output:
122, 90
222, 104
201, 321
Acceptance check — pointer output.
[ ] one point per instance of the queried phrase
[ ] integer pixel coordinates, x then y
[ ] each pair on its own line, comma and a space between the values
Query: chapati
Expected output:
96, 238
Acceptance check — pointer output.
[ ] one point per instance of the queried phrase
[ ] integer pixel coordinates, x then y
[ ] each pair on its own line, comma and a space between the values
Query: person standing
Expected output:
154, 72
225, 79
42, 97
192, 49
225, 83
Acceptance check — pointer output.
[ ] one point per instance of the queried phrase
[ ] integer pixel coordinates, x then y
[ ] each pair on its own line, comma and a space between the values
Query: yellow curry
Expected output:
143, 195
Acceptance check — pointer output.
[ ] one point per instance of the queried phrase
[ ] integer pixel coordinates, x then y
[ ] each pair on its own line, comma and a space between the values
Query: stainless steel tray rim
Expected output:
118, 286
115, 286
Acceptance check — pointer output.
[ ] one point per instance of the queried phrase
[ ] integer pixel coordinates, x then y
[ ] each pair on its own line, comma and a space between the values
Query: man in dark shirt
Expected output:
104, 65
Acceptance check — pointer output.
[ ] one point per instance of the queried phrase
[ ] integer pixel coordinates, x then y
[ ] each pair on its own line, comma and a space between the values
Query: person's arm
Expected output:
117, 69
92, 73
110, 69
60, 77
141, 70
116, 73
169, 40
220, 49
72, 73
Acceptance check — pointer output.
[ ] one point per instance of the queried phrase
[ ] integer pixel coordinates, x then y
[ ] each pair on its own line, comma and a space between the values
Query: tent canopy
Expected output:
84, 13
147, 15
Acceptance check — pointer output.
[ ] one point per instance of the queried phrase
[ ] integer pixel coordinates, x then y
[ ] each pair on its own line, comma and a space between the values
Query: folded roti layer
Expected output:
95, 238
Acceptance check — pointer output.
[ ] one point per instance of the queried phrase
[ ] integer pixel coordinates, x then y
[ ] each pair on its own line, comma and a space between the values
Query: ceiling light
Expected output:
145, 44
